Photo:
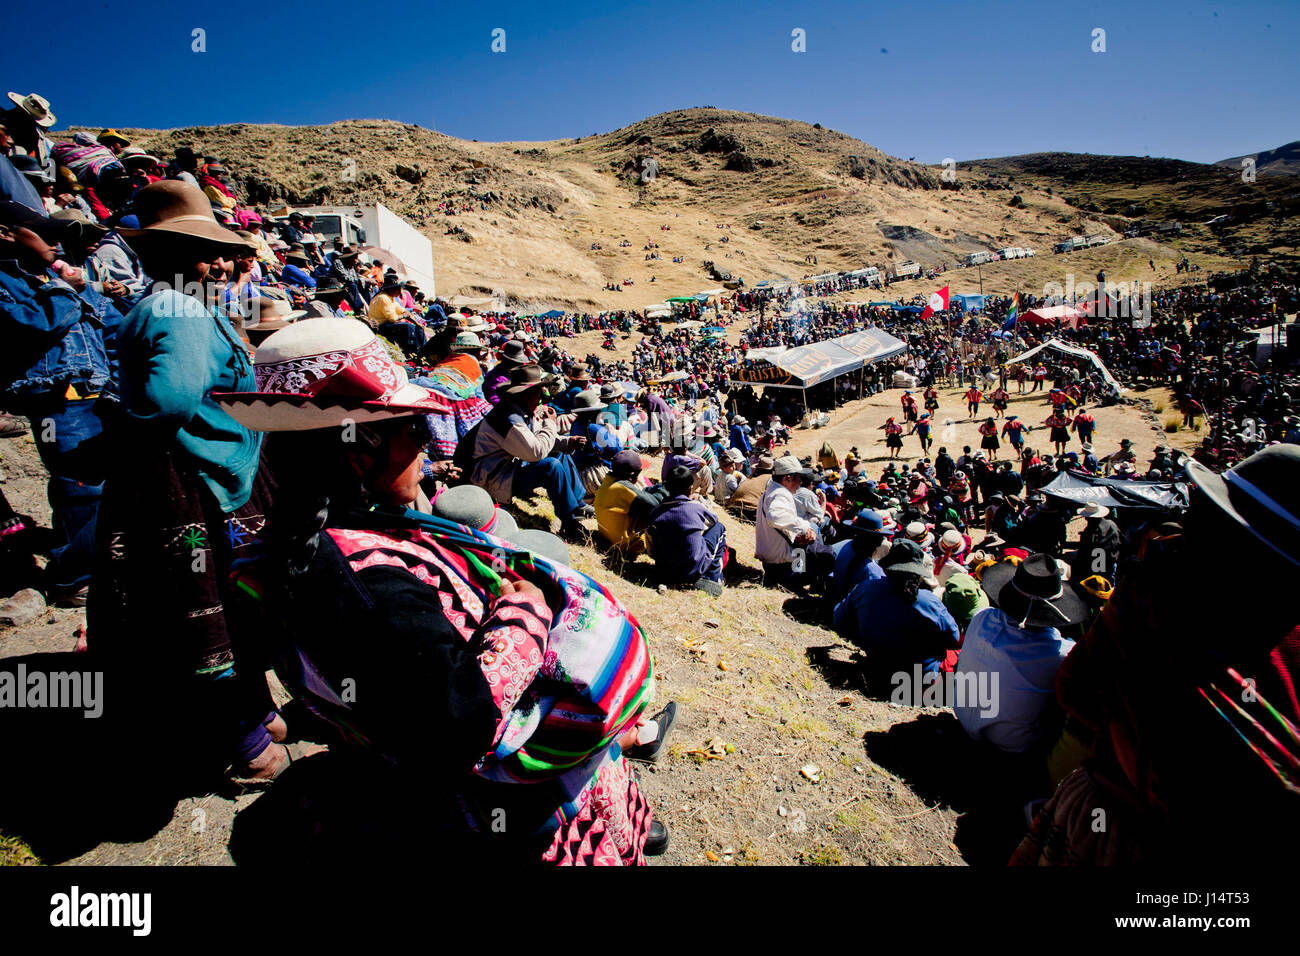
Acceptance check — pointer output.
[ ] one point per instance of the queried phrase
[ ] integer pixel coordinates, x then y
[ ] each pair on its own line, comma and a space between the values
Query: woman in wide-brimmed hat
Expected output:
453, 371
512, 354
593, 458
184, 500
476, 651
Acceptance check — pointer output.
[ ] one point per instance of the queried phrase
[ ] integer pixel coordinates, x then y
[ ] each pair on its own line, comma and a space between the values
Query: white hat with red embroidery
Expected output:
323, 373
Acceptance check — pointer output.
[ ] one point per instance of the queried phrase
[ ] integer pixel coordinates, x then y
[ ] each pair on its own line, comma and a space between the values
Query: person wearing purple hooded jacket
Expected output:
513, 354
688, 543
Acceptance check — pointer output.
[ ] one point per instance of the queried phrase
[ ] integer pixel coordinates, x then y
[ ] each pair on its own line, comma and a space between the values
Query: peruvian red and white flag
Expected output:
937, 302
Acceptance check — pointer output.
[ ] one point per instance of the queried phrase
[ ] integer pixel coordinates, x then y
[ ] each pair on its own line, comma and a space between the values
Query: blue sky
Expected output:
1194, 80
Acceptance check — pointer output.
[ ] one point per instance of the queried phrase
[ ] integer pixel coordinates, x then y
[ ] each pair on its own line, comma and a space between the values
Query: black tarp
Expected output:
1118, 492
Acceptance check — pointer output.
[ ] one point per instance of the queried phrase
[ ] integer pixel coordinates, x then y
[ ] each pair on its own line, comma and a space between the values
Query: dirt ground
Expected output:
765, 692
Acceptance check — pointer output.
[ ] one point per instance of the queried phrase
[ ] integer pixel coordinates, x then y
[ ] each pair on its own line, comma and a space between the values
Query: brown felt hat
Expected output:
525, 377
171, 208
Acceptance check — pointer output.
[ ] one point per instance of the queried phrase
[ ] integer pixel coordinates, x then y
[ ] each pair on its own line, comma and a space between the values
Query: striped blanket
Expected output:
595, 673
467, 406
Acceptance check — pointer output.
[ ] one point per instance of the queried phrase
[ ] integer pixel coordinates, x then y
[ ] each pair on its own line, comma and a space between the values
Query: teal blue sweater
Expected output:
172, 353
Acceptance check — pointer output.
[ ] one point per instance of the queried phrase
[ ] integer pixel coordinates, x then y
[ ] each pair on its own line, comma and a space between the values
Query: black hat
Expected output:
30, 168
514, 352
1034, 593
15, 214
1258, 494
907, 557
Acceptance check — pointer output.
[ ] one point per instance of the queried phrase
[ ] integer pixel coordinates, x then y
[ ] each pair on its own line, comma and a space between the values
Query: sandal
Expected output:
257, 783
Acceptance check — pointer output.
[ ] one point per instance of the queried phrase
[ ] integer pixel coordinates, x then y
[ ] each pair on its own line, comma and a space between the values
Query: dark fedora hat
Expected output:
1259, 495
1034, 593
330, 286
868, 522
905, 557
514, 352
581, 372
15, 214
526, 377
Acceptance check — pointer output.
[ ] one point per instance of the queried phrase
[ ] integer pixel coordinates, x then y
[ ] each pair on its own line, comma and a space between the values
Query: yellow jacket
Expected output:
613, 499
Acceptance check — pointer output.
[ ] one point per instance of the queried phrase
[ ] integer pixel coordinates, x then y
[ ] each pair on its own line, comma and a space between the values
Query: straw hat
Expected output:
134, 154
1093, 510
468, 323
272, 313
323, 373
35, 106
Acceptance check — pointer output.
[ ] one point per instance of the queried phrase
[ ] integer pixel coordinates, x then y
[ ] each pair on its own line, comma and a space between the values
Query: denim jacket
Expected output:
54, 338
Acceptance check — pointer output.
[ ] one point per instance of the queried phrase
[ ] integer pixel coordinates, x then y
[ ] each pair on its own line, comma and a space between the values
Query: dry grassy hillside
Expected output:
1262, 217
777, 190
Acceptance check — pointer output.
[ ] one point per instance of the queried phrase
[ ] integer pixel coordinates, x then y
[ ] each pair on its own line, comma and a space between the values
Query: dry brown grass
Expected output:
552, 200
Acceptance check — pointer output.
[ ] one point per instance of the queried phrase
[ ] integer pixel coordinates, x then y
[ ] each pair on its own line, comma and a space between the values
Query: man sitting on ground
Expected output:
780, 535
624, 506
896, 618
729, 476
688, 543
744, 500
866, 540
1018, 644
515, 452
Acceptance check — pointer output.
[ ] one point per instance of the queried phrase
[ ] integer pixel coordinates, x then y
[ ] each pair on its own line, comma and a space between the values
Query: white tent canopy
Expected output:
485, 303
1074, 351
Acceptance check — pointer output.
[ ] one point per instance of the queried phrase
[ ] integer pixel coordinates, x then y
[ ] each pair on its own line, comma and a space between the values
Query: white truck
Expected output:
907, 269
374, 225
979, 258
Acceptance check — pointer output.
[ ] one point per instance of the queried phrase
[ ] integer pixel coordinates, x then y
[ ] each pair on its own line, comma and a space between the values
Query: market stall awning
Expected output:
872, 345
802, 367
484, 303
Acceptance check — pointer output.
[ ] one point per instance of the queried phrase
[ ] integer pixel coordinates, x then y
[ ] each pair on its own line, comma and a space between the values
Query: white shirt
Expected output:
726, 485
1025, 662
809, 509
776, 525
